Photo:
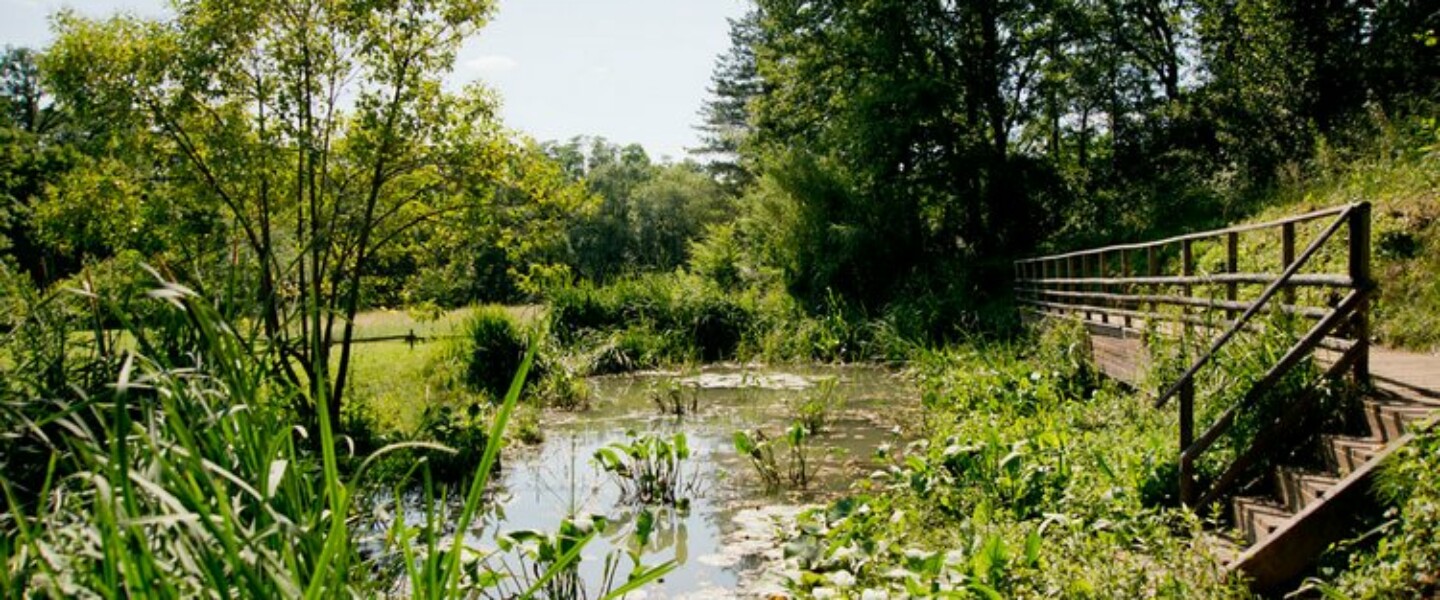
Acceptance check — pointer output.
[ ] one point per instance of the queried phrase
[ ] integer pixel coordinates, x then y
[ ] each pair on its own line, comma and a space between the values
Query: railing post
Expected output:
1232, 266
1127, 288
1187, 438
1187, 269
1287, 258
1360, 278
1102, 287
1152, 269
1071, 274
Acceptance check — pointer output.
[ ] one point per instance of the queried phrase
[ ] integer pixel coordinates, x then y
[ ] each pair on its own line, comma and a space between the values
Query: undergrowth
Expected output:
1034, 479
174, 466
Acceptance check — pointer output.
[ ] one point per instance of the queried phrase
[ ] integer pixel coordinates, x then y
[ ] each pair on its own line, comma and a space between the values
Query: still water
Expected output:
724, 543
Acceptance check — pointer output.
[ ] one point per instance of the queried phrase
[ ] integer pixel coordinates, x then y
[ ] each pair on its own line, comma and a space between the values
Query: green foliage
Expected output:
647, 311
1029, 483
493, 346
759, 449
674, 398
549, 568
650, 469
648, 214
186, 474
814, 409
459, 429
1395, 170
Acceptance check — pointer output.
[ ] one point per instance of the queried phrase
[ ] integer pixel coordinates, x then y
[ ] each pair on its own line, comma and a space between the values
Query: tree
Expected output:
320, 130
725, 117
34, 155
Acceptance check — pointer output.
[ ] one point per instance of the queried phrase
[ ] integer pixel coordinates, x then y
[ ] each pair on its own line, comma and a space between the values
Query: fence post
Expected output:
1127, 288
1152, 269
1232, 266
1187, 269
1187, 438
1360, 278
1287, 257
1103, 288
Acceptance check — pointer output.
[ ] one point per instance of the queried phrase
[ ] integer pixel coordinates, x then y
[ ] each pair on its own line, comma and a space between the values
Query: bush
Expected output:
461, 429
651, 320
493, 346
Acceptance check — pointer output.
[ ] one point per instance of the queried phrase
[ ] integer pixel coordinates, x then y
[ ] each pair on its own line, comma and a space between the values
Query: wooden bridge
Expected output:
1163, 315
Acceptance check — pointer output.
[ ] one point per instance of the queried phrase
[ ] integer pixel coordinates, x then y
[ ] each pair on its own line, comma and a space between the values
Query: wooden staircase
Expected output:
1287, 520
1298, 485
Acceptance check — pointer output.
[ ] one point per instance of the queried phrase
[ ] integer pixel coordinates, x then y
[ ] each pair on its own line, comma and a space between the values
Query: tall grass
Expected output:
188, 475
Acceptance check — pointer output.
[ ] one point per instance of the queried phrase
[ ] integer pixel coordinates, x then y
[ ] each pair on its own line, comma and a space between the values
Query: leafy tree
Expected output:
34, 155
321, 132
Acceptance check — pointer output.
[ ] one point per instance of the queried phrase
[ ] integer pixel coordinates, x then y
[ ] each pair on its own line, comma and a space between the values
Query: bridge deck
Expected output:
1412, 375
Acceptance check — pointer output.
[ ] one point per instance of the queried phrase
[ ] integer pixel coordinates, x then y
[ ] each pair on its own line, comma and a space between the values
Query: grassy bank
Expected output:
1399, 174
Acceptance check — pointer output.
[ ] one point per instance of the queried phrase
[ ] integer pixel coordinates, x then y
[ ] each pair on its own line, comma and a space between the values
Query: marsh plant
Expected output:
816, 408
650, 469
673, 397
759, 448
189, 474
530, 559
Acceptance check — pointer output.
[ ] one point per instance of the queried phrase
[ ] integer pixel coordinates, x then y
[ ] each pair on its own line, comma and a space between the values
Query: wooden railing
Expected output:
1100, 287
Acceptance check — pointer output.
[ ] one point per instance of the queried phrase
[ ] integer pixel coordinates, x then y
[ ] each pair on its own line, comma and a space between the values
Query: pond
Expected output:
722, 543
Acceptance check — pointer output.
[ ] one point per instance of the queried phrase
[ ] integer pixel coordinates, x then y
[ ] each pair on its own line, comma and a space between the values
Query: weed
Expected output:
759, 448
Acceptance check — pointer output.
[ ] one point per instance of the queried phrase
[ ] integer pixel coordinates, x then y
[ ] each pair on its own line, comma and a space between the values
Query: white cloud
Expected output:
492, 63
600, 71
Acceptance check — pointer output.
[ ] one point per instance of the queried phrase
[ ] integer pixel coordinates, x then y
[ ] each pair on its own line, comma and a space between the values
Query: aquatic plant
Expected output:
675, 398
649, 469
189, 475
815, 408
548, 564
759, 448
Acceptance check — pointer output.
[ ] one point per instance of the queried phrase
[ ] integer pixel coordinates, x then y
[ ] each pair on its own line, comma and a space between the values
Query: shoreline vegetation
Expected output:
204, 216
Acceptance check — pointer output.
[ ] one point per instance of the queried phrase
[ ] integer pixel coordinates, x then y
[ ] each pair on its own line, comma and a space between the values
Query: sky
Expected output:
632, 71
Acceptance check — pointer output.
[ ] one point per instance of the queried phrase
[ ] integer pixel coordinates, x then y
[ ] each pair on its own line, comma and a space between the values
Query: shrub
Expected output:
494, 347
650, 320
462, 431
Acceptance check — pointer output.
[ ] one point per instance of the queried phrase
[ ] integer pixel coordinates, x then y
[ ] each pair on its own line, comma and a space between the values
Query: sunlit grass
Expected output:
395, 379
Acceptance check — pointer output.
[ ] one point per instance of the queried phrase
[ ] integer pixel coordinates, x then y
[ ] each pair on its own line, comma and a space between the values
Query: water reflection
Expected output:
724, 536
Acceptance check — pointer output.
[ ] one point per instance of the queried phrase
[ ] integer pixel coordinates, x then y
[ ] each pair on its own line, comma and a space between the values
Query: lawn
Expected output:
395, 379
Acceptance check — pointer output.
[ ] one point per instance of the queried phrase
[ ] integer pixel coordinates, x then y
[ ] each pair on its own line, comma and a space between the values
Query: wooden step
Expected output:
1390, 419
1276, 560
1297, 489
1257, 518
1347, 454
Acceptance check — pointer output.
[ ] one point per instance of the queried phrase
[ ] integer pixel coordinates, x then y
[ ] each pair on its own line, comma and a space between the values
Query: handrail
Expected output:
1190, 237
1255, 307
1081, 285
1293, 355
1262, 443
